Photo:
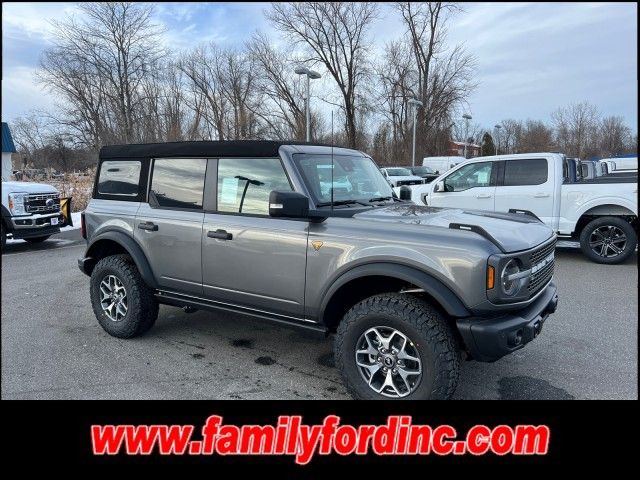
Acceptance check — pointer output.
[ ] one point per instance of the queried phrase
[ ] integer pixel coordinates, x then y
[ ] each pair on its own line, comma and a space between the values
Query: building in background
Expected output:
7, 149
456, 149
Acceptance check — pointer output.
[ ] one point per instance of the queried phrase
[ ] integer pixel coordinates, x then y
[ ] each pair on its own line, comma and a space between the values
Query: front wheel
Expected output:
37, 239
608, 240
397, 346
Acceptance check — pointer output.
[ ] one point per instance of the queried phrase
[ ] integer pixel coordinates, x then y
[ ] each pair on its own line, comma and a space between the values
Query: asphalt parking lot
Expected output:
53, 348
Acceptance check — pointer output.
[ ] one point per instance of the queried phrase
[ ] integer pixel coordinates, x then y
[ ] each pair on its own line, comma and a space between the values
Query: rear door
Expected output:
527, 184
169, 226
471, 186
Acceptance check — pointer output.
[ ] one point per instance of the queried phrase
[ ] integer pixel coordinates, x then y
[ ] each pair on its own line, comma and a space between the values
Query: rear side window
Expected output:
525, 172
178, 183
121, 178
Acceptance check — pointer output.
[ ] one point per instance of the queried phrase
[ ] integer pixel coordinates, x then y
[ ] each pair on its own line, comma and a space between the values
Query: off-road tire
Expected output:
37, 239
622, 224
423, 324
142, 306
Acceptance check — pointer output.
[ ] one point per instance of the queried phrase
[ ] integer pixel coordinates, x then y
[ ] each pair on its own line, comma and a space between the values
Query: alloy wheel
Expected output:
388, 361
113, 298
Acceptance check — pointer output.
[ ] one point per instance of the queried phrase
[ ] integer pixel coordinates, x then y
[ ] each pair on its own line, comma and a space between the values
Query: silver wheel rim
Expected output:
608, 241
113, 298
388, 361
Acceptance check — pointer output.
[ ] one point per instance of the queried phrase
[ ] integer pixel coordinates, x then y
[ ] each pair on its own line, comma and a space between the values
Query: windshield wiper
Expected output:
341, 202
380, 199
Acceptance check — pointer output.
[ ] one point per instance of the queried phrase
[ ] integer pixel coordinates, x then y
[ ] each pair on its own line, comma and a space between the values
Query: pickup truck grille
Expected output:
542, 265
37, 203
409, 182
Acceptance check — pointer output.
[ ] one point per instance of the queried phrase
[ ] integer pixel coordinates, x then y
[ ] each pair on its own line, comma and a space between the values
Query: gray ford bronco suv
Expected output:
314, 236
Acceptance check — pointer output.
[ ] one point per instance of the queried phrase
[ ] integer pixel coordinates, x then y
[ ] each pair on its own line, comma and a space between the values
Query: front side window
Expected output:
469, 176
526, 172
244, 184
119, 177
343, 178
178, 182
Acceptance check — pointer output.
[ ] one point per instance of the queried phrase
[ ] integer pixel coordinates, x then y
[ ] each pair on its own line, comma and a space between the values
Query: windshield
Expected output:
421, 170
398, 172
354, 178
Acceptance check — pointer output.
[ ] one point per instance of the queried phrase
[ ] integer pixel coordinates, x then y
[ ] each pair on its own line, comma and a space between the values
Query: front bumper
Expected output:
488, 339
35, 221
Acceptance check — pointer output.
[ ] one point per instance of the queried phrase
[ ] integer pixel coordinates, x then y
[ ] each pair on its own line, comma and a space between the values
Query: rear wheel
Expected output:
122, 302
4, 235
37, 239
608, 240
396, 346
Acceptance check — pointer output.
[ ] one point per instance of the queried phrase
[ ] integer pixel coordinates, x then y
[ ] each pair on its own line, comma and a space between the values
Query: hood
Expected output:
27, 187
513, 232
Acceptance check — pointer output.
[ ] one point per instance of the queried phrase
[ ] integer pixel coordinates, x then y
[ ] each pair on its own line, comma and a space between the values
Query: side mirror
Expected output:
405, 193
439, 186
288, 204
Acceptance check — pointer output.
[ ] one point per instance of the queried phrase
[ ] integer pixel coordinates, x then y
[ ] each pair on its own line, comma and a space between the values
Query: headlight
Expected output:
16, 203
509, 279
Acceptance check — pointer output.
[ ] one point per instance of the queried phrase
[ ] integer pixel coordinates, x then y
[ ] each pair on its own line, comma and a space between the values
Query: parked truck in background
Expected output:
601, 213
441, 164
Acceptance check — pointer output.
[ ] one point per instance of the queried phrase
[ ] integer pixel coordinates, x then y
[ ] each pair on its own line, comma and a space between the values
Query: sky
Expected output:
532, 57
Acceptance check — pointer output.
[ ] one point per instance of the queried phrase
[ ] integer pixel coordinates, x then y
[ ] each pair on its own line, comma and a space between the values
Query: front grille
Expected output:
542, 275
37, 203
409, 182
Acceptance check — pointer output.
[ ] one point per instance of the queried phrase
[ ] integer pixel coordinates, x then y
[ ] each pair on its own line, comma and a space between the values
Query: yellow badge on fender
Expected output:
316, 245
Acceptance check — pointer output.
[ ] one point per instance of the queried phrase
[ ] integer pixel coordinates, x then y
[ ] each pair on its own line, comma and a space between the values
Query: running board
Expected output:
181, 300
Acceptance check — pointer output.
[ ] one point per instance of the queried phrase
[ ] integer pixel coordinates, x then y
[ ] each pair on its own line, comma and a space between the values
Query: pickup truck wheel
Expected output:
608, 240
37, 239
397, 346
123, 304
4, 235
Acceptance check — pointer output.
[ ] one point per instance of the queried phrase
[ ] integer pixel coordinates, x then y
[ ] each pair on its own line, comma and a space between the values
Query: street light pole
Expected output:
310, 75
415, 103
466, 117
497, 127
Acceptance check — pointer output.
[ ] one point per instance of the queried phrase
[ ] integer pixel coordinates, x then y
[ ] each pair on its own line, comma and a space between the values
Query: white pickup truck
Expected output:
30, 211
602, 213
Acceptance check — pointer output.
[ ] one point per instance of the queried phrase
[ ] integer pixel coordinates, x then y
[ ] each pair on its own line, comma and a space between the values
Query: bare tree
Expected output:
98, 64
443, 76
284, 110
510, 132
576, 129
535, 137
335, 35
613, 136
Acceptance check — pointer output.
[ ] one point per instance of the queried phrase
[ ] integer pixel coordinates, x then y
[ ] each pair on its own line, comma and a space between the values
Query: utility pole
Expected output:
497, 127
466, 117
415, 103
310, 75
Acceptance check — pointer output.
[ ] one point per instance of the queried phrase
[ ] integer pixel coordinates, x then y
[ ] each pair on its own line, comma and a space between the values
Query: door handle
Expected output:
541, 195
148, 226
220, 235
483, 195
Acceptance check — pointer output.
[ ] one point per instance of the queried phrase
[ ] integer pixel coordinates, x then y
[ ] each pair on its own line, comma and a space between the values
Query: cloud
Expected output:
532, 57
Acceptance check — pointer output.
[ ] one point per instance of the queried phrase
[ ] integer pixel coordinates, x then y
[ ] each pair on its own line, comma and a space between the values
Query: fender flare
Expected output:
132, 248
442, 294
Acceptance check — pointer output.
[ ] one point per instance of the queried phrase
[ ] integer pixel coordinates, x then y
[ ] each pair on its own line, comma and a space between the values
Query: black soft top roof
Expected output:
230, 148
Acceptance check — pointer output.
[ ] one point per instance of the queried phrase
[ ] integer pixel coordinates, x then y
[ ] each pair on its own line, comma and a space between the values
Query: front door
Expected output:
169, 226
471, 186
250, 259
